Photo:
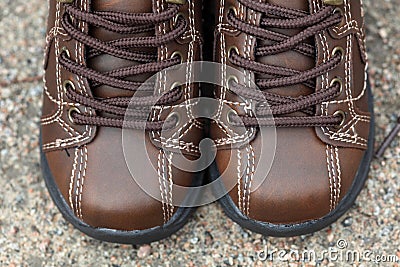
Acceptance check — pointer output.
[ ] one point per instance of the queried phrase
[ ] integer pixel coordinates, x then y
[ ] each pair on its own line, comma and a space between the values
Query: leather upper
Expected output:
313, 167
87, 162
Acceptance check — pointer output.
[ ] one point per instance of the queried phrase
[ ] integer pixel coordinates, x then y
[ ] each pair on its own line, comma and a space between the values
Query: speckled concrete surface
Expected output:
33, 233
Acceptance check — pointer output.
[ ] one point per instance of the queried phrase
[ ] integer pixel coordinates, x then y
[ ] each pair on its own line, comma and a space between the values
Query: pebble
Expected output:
144, 251
348, 221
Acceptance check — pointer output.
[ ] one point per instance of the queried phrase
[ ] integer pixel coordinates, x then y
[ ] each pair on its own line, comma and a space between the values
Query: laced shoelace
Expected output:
281, 106
124, 48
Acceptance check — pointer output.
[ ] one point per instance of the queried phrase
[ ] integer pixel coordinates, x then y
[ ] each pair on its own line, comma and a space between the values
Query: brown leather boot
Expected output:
308, 59
98, 54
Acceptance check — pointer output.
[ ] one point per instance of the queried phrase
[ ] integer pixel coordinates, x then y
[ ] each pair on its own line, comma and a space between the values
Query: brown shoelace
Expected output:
389, 139
310, 25
117, 107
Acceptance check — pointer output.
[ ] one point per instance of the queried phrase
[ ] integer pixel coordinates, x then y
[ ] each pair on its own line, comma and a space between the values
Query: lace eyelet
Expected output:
232, 49
340, 82
338, 49
176, 18
174, 116
342, 114
231, 78
340, 11
68, 83
229, 115
70, 112
234, 10
65, 50
177, 54
174, 85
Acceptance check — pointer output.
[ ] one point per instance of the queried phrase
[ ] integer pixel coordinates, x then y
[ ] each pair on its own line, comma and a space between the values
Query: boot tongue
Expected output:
128, 6
105, 62
290, 59
295, 4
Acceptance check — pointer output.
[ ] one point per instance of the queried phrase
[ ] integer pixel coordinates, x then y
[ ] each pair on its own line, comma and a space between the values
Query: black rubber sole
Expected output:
136, 237
289, 230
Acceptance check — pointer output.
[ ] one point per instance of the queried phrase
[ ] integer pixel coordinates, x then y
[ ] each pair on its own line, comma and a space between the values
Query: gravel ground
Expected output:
33, 233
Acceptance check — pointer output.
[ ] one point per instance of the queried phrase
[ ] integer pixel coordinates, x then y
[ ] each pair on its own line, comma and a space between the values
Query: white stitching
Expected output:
165, 180
84, 157
330, 176
339, 175
72, 181
170, 182
160, 178
251, 176
239, 179
334, 175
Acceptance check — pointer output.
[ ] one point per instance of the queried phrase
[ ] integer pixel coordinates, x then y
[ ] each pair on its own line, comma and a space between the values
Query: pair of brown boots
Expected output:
291, 114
